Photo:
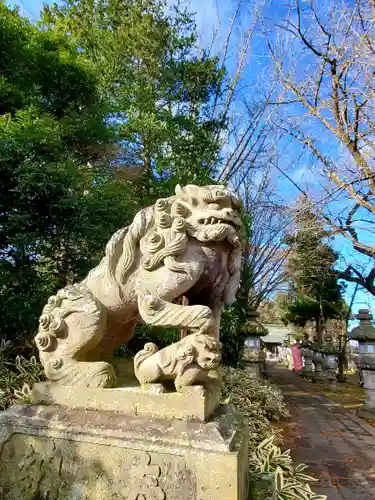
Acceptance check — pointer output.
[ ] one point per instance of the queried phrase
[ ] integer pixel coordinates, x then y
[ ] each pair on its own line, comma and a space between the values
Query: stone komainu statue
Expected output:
186, 245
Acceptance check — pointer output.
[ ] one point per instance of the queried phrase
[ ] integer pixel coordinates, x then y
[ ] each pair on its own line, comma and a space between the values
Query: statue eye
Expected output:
214, 206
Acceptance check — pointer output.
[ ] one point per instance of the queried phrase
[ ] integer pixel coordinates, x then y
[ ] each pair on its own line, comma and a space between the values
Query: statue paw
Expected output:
155, 389
197, 390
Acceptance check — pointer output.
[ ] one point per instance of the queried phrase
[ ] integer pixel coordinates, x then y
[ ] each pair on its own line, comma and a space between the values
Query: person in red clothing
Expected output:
296, 356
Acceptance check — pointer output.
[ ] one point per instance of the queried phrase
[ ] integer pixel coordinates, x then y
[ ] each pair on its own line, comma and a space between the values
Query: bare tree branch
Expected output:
336, 87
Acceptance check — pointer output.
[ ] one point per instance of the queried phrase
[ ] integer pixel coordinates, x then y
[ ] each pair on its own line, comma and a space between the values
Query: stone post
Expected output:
317, 359
331, 367
254, 358
263, 364
365, 335
307, 370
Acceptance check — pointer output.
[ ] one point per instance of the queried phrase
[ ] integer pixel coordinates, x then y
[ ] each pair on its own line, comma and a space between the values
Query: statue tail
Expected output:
149, 349
80, 373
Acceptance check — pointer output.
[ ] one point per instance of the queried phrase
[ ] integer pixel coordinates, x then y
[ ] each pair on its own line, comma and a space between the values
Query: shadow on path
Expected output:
338, 447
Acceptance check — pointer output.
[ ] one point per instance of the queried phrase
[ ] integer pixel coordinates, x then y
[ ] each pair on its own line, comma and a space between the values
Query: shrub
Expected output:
160, 336
17, 375
272, 471
231, 336
266, 396
260, 401
289, 481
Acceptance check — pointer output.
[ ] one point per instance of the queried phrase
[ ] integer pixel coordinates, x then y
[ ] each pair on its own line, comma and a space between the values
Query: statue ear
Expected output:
178, 190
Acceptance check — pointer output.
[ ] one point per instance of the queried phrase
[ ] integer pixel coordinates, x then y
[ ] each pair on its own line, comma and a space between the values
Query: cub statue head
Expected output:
207, 352
201, 349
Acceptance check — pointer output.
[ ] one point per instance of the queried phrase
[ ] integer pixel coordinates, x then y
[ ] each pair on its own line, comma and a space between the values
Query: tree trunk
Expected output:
320, 326
341, 365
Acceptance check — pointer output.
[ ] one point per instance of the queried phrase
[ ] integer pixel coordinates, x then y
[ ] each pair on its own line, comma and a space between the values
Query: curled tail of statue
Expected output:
149, 349
72, 323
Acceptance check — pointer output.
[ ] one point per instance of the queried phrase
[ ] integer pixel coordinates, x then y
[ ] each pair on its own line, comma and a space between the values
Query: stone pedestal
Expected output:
331, 367
332, 380
194, 403
368, 409
317, 359
252, 369
307, 369
263, 364
365, 335
253, 358
318, 371
58, 452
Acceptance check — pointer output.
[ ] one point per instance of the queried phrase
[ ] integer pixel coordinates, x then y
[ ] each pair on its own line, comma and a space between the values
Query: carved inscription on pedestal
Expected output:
59, 469
144, 483
35, 468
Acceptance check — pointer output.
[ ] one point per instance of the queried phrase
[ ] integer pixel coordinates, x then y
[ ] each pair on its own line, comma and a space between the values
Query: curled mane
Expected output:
162, 234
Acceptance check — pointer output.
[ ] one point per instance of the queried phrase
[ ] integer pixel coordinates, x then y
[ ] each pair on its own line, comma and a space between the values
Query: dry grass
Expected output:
349, 394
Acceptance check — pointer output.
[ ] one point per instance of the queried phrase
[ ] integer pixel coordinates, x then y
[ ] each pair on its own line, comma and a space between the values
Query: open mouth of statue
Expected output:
214, 220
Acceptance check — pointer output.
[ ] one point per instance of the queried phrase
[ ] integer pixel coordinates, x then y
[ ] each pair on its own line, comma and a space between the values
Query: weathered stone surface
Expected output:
369, 385
252, 369
365, 335
187, 245
193, 403
366, 412
63, 453
318, 365
187, 362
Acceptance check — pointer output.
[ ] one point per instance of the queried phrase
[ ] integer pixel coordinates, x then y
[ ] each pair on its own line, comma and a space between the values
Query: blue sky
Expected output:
30, 8
216, 14
209, 14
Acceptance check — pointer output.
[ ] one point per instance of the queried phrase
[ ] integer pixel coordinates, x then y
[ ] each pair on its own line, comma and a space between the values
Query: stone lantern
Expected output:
365, 335
253, 357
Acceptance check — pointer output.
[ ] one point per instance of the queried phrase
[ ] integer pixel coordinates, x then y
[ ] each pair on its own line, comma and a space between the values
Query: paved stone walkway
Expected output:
338, 447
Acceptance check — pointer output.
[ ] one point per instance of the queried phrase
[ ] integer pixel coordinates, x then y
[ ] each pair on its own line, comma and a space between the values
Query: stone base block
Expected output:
62, 453
366, 412
306, 372
252, 370
195, 403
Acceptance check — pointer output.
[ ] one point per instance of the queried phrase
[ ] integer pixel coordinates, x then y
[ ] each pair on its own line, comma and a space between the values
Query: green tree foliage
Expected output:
161, 91
57, 203
315, 293
104, 106
234, 318
161, 94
